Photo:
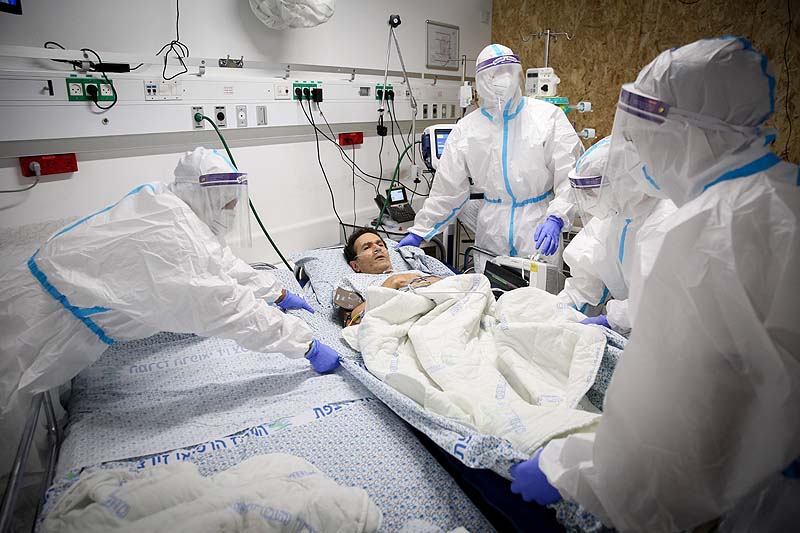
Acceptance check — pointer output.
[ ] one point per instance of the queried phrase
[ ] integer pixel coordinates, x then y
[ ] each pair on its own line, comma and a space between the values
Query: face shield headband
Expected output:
496, 62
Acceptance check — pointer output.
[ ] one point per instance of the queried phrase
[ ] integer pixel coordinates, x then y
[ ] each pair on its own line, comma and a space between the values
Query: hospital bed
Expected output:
466, 451
172, 398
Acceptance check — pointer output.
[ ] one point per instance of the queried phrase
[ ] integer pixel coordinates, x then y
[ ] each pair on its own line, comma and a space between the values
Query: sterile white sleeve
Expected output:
160, 265
617, 315
702, 408
450, 188
562, 150
584, 286
263, 284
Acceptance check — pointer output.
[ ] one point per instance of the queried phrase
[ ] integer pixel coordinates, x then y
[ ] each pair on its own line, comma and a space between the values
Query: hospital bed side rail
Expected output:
54, 439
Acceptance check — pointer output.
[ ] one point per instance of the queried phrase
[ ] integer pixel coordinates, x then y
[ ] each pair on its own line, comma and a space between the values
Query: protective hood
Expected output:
615, 193
498, 79
693, 117
283, 14
217, 193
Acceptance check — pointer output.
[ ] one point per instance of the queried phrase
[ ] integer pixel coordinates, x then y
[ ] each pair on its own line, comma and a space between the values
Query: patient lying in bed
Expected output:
367, 255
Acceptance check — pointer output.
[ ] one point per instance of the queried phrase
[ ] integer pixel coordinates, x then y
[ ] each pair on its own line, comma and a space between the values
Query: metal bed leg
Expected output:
54, 439
17, 469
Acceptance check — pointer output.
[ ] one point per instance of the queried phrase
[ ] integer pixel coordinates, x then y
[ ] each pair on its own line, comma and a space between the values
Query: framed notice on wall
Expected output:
442, 46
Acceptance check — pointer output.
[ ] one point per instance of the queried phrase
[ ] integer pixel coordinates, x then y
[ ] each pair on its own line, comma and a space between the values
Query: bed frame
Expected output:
54, 440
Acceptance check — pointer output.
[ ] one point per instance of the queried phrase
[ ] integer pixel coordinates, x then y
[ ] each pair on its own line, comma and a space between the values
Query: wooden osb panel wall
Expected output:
612, 41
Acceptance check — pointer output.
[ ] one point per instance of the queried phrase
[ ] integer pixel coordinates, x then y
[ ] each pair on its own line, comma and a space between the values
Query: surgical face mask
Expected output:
499, 85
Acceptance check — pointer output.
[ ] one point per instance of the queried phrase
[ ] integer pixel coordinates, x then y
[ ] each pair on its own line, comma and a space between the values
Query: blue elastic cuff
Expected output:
557, 220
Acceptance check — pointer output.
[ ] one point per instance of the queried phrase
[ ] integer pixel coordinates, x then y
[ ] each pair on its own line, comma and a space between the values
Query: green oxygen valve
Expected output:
198, 117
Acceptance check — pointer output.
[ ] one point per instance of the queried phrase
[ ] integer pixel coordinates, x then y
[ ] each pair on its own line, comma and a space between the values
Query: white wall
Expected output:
355, 36
285, 181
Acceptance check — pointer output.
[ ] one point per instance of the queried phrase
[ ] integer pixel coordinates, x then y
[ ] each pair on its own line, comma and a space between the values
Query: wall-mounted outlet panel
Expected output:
76, 89
283, 91
198, 125
261, 115
304, 85
379, 89
163, 90
241, 116
220, 116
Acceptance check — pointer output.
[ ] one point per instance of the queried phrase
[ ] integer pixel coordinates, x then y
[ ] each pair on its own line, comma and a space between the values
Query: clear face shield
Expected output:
663, 147
225, 207
593, 197
499, 82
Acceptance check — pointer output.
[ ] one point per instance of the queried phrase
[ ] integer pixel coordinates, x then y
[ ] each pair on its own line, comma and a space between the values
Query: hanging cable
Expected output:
175, 46
354, 185
94, 96
319, 158
198, 117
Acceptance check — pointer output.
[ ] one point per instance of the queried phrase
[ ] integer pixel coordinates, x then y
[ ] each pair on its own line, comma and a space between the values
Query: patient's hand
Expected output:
402, 280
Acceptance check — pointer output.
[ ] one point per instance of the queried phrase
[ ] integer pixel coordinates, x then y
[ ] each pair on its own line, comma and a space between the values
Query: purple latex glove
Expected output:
410, 240
323, 358
600, 320
293, 301
548, 234
531, 483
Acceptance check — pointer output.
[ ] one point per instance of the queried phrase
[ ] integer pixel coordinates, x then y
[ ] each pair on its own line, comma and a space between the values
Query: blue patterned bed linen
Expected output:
357, 443
471, 448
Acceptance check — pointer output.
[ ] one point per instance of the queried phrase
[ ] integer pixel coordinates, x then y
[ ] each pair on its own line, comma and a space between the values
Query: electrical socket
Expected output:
220, 116
283, 91
75, 89
201, 125
424, 111
435, 111
241, 116
106, 90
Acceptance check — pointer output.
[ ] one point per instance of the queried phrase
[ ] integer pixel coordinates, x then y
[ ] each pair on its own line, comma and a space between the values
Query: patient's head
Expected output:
366, 252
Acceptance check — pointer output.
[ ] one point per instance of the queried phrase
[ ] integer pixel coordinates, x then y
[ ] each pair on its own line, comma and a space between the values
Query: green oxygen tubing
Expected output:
198, 117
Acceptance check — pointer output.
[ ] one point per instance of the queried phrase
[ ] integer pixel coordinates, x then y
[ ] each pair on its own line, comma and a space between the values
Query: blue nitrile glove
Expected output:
531, 483
548, 234
600, 320
410, 240
293, 301
323, 358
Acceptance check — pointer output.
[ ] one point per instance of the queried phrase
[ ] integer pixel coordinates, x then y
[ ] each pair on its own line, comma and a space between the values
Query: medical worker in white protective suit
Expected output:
618, 220
518, 152
151, 262
701, 418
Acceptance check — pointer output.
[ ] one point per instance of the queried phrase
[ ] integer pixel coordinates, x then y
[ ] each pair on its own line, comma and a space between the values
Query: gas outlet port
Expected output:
220, 116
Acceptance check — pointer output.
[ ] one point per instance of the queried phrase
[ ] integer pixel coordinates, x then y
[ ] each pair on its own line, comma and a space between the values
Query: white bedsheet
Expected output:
517, 368
274, 492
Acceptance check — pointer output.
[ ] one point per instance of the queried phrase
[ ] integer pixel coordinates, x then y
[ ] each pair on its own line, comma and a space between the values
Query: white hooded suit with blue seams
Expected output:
518, 152
145, 264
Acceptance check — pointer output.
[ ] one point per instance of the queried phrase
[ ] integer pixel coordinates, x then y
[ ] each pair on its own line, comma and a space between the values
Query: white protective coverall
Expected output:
518, 152
142, 265
701, 416
601, 256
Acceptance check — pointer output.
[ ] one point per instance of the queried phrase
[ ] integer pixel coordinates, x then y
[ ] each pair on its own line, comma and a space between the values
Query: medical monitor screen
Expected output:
397, 196
11, 6
441, 138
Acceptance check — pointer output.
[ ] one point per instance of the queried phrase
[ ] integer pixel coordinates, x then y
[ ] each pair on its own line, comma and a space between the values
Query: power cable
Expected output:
785, 153
175, 46
319, 159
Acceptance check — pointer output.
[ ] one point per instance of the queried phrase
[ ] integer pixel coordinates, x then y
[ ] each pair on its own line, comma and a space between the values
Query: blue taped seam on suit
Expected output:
487, 114
622, 240
798, 177
602, 299
492, 200
497, 50
81, 313
228, 161
534, 199
77, 312
506, 118
761, 164
112, 206
589, 151
649, 179
438, 225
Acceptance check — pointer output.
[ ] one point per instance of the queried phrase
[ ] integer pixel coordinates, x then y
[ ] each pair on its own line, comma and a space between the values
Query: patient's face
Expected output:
373, 257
